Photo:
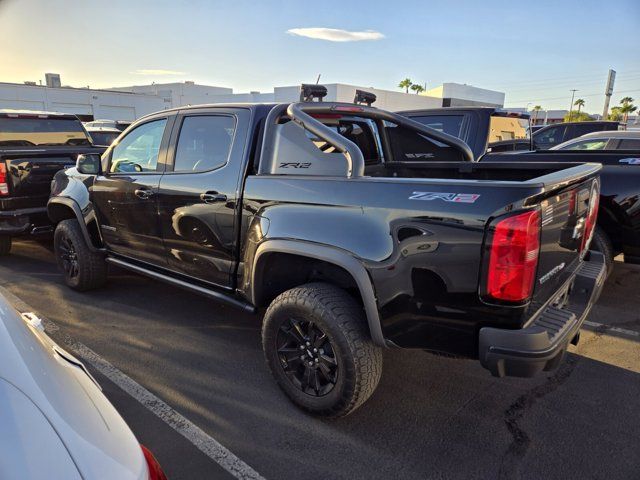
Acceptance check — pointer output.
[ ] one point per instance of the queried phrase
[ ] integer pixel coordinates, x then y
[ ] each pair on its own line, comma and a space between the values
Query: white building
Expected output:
189, 93
130, 103
462, 95
87, 103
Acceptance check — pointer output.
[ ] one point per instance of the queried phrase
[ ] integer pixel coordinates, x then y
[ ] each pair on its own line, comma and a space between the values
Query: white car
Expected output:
55, 423
607, 140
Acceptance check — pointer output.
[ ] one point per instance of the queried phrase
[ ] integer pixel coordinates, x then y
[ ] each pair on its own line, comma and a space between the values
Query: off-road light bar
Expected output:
367, 98
309, 92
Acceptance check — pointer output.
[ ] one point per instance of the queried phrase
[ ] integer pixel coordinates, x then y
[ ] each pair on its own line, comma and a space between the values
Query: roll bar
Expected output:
301, 112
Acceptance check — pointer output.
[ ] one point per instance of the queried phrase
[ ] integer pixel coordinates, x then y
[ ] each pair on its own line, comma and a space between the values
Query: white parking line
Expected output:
203, 442
622, 331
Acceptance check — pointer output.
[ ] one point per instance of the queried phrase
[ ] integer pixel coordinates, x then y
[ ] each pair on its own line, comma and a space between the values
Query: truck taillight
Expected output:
514, 247
4, 186
592, 216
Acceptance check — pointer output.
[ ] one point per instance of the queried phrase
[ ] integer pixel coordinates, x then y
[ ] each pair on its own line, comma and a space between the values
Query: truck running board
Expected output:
207, 292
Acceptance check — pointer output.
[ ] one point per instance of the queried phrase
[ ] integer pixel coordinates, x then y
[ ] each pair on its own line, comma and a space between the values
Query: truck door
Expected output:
199, 192
125, 195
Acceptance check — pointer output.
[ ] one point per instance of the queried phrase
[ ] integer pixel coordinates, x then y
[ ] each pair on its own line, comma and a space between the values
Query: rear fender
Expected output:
70, 199
330, 255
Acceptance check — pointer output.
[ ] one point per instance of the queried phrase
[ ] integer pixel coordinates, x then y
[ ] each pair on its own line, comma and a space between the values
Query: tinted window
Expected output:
362, 132
138, 150
451, 124
103, 139
629, 144
579, 130
551, 135
41, 131
204, 143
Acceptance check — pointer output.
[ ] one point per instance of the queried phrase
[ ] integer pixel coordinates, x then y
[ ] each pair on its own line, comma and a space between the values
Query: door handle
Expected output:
213, 197
143, 193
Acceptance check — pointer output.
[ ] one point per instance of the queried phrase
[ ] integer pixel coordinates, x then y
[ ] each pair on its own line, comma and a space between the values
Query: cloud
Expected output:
157, 72
335, 34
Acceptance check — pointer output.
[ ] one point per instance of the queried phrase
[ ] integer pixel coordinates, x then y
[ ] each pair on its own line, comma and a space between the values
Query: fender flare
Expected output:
75, 208
337, 257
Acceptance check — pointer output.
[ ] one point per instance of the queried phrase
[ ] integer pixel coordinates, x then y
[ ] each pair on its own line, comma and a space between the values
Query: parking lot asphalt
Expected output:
431, 417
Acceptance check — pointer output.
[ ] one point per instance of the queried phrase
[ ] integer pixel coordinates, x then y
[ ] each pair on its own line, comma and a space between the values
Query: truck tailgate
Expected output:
29, 176
567, 215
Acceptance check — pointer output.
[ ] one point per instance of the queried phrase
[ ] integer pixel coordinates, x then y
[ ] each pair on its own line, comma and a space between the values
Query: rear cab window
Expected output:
35, 131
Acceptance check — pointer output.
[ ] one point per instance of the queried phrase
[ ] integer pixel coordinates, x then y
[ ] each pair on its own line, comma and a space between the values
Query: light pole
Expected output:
573, 93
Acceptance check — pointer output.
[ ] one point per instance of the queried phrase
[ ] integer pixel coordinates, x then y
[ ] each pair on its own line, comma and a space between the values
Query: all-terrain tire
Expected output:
5, 245
82, 269
335, 313
602, 243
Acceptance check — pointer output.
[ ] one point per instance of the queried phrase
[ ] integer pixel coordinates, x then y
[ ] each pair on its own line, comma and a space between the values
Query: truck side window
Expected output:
138, 150
204, 143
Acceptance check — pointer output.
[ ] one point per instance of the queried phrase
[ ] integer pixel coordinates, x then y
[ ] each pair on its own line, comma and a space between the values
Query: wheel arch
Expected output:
325, 257
65, 208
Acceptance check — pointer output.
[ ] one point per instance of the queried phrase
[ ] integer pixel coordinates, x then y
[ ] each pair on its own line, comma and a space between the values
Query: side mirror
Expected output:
88, 163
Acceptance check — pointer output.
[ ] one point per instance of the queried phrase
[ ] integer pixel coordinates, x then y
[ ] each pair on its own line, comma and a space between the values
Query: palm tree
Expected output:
417, 88
406, 84
627, 107
580, 103
536, 109
615, 114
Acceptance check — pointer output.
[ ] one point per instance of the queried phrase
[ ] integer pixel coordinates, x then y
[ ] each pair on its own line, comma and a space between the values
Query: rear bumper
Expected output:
25, 221
542, 344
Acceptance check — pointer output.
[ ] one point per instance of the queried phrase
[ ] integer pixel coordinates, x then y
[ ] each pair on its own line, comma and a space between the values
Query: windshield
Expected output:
25, 132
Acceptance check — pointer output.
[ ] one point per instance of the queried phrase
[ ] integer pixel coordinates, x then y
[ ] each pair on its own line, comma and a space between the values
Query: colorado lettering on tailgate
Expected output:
445, 197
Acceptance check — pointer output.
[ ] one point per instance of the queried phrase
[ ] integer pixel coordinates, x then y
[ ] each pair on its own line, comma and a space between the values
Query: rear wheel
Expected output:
602, 243
5, 245
318, 347
82, 268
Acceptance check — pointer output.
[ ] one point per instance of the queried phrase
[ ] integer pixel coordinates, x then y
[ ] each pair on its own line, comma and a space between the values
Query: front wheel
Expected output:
319, 350
82, 268
5, 245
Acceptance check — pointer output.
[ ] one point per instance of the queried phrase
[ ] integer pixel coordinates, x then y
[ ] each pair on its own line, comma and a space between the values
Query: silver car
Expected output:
55, 423
607, 140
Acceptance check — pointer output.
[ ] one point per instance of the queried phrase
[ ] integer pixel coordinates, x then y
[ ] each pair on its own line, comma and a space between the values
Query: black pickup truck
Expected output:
33, 147
355, 229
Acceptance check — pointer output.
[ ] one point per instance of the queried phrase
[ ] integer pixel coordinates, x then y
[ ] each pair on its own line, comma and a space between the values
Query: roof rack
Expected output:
366, 98
309, 92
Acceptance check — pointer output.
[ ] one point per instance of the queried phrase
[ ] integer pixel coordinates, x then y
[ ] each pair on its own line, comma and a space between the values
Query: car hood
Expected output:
97, 439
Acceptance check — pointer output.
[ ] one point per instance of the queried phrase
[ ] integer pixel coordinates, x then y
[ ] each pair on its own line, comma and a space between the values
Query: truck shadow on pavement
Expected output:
431, 417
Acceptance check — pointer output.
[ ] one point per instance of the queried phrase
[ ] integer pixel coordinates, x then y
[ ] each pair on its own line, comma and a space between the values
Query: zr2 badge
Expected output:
446, 197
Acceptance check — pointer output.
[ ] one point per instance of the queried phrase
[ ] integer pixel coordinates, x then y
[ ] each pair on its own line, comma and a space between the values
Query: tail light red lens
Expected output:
155, 471
513, 257
4, 186
592, 216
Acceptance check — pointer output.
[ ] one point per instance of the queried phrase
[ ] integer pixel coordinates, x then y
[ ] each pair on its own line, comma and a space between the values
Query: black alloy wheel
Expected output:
307, 357
69, 257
